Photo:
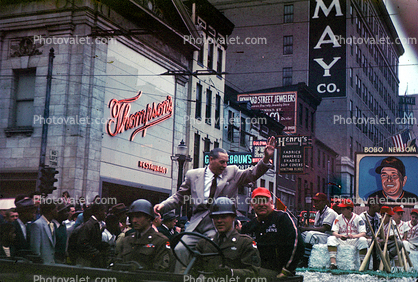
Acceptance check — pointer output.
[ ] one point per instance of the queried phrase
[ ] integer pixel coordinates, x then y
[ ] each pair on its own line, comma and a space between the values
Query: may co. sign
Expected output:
327, 57
122, 119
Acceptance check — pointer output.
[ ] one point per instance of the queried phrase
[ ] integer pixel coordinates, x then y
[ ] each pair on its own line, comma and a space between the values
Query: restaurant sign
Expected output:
122, 119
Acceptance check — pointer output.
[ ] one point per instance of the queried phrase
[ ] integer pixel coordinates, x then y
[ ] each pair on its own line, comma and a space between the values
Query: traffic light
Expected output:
47, 180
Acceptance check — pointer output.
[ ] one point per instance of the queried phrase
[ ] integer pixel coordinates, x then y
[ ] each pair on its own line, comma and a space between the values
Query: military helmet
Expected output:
223, 205
143, 206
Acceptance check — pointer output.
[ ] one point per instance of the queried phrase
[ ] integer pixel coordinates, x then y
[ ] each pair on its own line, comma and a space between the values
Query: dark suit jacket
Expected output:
164, 230
90, 245
20, 242
193, 187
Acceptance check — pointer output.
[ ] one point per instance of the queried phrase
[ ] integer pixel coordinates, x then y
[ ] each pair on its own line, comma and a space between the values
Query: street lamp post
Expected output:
181, 158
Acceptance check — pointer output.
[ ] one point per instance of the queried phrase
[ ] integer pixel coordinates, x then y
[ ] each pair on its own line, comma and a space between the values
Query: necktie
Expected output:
222, 238
212, 190
51, 226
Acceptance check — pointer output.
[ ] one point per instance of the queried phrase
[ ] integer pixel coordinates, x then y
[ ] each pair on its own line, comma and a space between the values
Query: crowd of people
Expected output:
140, 236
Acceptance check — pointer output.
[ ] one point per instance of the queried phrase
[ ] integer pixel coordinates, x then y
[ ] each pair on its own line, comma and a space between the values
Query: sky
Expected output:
404, 16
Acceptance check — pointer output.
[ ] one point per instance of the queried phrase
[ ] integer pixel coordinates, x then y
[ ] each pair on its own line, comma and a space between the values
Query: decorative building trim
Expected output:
24, 47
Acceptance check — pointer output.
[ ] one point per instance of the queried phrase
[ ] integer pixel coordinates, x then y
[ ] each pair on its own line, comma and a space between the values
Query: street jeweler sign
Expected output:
281, 106
292, 153
327, 56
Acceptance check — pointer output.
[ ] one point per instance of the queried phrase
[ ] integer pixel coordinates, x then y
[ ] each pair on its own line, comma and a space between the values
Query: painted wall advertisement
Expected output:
281, 106
292, 153
327, 54
390, 177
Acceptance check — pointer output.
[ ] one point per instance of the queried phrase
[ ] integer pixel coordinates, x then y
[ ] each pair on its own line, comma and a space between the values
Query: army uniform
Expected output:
152, 250
240, 251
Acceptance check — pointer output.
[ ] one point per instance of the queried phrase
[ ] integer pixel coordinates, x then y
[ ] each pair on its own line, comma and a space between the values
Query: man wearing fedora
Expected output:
63, 209
393, 177
27, 213
168, 225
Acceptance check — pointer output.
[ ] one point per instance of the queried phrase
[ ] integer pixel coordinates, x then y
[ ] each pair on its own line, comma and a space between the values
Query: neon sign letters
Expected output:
122, 119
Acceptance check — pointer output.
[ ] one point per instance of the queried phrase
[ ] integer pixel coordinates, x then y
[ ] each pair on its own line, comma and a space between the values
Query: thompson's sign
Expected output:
122, 119
281, 106
327, 55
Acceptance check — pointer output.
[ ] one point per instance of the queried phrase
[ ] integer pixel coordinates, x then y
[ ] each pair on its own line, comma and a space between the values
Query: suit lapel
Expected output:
200, 185
222, 182
48, 231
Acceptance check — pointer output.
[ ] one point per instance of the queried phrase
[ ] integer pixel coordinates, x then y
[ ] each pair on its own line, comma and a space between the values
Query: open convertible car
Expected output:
27, 269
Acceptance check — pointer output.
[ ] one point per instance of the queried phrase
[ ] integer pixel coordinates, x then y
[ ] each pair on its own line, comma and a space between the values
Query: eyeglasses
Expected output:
391, 177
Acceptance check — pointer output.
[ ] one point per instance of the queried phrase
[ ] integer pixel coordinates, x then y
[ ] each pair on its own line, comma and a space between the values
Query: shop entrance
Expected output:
127, 194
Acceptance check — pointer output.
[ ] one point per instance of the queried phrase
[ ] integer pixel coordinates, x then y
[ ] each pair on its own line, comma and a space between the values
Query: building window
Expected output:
312, 121
210, 56
198, 114
262, 183
351, 109
351, 76
300, 114
242, 133
219, 65
206, 144
230, 126
287, 76
306, 118
215, 144
200, 55
288, 45
271, 187
208, 113
288, 13
319, 158
24, 96
196, 150
351, 148
218, 112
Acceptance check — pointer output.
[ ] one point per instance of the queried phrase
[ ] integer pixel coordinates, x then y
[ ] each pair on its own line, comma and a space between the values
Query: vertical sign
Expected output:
327, 54
292, 153
258, 150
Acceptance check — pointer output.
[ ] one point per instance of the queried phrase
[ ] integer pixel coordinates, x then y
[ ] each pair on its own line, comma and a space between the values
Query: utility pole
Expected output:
46, 115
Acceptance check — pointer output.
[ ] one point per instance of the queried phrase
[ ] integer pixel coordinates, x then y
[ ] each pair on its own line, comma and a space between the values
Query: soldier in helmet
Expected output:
241, 253
145, 246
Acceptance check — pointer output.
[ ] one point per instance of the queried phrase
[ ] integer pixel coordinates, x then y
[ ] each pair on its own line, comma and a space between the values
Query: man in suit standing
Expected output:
202, 185
92, 251
26, 209
42, 233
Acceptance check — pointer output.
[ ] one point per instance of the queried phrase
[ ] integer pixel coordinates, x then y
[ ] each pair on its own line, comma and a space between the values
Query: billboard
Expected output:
327, 54
281, 106
391, 177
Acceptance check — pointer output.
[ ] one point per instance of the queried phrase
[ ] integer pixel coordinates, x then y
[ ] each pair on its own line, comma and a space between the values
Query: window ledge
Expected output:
26, 130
